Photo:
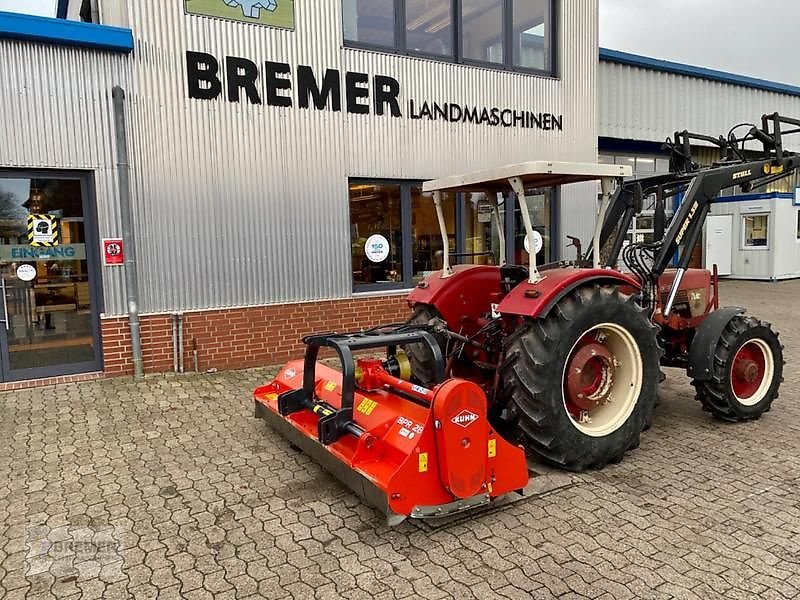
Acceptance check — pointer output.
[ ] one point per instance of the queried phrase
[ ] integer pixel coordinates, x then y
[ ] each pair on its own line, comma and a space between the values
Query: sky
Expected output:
746, 37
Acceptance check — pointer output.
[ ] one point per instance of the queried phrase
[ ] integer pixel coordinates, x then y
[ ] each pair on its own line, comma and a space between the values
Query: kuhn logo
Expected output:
465, 418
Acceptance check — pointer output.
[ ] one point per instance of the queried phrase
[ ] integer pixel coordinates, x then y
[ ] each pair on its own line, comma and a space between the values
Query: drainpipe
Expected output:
131, 281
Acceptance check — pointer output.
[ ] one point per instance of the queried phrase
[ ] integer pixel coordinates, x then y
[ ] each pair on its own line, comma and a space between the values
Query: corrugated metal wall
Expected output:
641, 104
238, 204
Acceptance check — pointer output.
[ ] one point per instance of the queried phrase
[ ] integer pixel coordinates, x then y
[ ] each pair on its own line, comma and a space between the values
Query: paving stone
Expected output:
117, 489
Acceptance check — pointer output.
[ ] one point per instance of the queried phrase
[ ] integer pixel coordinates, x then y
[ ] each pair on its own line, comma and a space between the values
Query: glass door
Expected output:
48, 320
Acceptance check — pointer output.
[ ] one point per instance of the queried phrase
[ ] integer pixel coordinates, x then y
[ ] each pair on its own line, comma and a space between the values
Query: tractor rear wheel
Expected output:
747, 371
423, 369
579, 385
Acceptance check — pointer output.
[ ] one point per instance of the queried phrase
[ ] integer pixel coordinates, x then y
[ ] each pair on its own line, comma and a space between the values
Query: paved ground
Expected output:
170, 488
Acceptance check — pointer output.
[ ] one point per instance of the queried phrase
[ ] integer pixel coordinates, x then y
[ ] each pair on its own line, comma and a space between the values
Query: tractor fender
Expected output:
701, 352
463, 296
537, 299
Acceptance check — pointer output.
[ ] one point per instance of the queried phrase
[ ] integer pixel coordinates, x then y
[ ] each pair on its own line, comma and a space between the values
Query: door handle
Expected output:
5, 301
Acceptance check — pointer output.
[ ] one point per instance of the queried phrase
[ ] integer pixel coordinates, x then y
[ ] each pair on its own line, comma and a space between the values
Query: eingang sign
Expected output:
275, 84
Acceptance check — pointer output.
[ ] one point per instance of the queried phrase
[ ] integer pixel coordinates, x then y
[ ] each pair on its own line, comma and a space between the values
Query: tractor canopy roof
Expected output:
533, 174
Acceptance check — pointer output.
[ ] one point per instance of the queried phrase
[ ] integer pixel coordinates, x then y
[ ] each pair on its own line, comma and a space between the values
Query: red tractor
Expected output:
561, 360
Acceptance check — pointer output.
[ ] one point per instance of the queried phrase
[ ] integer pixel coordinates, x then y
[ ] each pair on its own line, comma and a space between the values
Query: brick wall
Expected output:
243, 337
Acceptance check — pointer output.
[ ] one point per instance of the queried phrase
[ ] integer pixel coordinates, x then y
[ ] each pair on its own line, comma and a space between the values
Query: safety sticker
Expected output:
423, 462
289, 374
492, 448
43, 230
330, 386
419, 389
366, 406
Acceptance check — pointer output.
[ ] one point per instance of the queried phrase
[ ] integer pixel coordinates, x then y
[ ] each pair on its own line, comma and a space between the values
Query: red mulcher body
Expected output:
406, 449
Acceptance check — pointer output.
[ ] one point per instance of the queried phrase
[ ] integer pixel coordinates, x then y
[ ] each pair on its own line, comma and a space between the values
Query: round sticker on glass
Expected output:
377, 248
26, 272
538, 242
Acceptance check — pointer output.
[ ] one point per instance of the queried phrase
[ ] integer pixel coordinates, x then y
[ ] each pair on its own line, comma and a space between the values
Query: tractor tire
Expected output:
594, 355
747, 371
423, 370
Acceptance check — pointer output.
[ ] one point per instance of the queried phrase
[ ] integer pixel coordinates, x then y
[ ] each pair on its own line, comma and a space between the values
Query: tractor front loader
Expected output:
561, 361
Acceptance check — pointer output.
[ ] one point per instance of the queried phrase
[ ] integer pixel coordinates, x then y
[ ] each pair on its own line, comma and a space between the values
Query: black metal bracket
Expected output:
334, 423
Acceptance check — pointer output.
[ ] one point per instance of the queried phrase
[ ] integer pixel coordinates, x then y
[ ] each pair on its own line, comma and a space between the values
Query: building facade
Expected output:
275, 156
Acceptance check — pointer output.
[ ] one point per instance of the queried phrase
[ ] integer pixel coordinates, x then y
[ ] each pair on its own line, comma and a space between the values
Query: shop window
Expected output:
482, 26
756, 228
369, 22
538, 202
429, 27
394, 234
532, 23
483, 239
512, 34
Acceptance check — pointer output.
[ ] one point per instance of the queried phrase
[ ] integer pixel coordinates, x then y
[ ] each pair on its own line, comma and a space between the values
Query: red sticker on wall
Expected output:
112, 252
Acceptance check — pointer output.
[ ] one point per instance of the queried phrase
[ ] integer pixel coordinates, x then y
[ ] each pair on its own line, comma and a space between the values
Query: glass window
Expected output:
429, 26
532, 48
49, 312
482, 234
798, 224
482, 30
426, 237
539, 210
376, 233
756, 230
369, 22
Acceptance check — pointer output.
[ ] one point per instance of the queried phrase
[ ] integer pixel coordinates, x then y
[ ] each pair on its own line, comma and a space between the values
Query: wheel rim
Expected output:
602, 379
751, 372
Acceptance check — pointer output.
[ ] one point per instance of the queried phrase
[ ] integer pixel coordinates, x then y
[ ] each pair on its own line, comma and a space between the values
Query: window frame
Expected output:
744, 245
400, 47
406, 207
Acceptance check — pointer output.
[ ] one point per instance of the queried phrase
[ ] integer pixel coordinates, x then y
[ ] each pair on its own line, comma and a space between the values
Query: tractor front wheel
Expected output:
579, 385
747, 371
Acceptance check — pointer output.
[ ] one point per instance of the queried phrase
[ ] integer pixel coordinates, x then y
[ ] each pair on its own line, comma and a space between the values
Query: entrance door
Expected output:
719, 242
49, 321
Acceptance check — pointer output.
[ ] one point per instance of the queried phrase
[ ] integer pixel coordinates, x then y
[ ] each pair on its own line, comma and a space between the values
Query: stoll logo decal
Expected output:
465, 418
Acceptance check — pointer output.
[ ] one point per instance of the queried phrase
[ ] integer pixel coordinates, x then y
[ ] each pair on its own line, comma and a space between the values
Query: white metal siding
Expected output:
236, 204
642, 104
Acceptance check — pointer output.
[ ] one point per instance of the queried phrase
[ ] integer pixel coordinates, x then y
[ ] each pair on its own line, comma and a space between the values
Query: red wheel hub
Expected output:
590, 374
747, 370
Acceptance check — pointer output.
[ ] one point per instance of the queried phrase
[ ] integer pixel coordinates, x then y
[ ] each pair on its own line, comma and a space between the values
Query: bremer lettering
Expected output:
274, 83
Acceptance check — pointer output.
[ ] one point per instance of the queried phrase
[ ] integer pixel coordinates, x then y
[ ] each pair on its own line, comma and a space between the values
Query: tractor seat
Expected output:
512, 275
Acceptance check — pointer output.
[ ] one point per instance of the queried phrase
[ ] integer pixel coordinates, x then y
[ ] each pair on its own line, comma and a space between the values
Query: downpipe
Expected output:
131, 280
180, 342
174, 317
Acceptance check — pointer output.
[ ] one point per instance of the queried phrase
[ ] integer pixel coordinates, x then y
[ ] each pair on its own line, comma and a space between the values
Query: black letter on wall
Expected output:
354, 92
307, 88
276, 83
387, 89
241, 73
202, 67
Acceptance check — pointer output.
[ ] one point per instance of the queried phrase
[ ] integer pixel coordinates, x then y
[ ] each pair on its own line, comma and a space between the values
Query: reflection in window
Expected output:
531, 30
482, 235
539, 210
482, 30
429, 27
755, 230
369, 22
426, 237
376, 233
